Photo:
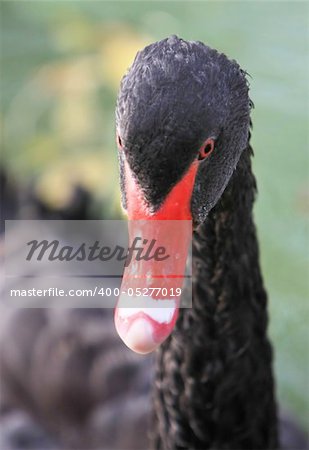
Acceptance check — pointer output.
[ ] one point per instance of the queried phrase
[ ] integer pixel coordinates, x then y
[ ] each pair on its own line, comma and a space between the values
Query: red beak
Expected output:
148, 306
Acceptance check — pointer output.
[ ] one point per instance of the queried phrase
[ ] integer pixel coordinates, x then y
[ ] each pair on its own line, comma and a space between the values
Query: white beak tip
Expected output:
139, 337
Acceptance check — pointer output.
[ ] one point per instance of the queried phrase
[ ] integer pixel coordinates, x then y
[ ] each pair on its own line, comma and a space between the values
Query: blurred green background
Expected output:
61, 67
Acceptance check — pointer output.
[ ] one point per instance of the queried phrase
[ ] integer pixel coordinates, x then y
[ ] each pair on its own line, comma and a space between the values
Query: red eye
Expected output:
206, 149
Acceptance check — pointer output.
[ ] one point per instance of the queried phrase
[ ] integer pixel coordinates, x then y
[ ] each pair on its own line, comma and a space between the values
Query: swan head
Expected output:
181, 105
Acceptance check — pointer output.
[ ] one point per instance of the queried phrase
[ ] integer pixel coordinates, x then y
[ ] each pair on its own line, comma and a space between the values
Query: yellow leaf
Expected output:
118, 52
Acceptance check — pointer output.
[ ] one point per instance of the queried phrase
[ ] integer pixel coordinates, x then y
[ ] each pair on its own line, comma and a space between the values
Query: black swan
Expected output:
68, 382
183, 131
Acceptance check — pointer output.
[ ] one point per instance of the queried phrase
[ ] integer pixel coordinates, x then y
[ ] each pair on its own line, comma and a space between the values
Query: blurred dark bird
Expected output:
69, 383
19, 201
80, 206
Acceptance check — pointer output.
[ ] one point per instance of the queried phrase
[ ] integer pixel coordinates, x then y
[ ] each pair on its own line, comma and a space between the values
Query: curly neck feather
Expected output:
214, 384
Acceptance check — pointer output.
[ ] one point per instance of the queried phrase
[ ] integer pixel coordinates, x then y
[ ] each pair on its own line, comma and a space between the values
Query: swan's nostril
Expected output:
119, 142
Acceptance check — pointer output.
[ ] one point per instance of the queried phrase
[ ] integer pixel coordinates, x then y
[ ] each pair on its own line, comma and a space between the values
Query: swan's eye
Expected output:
206, 149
